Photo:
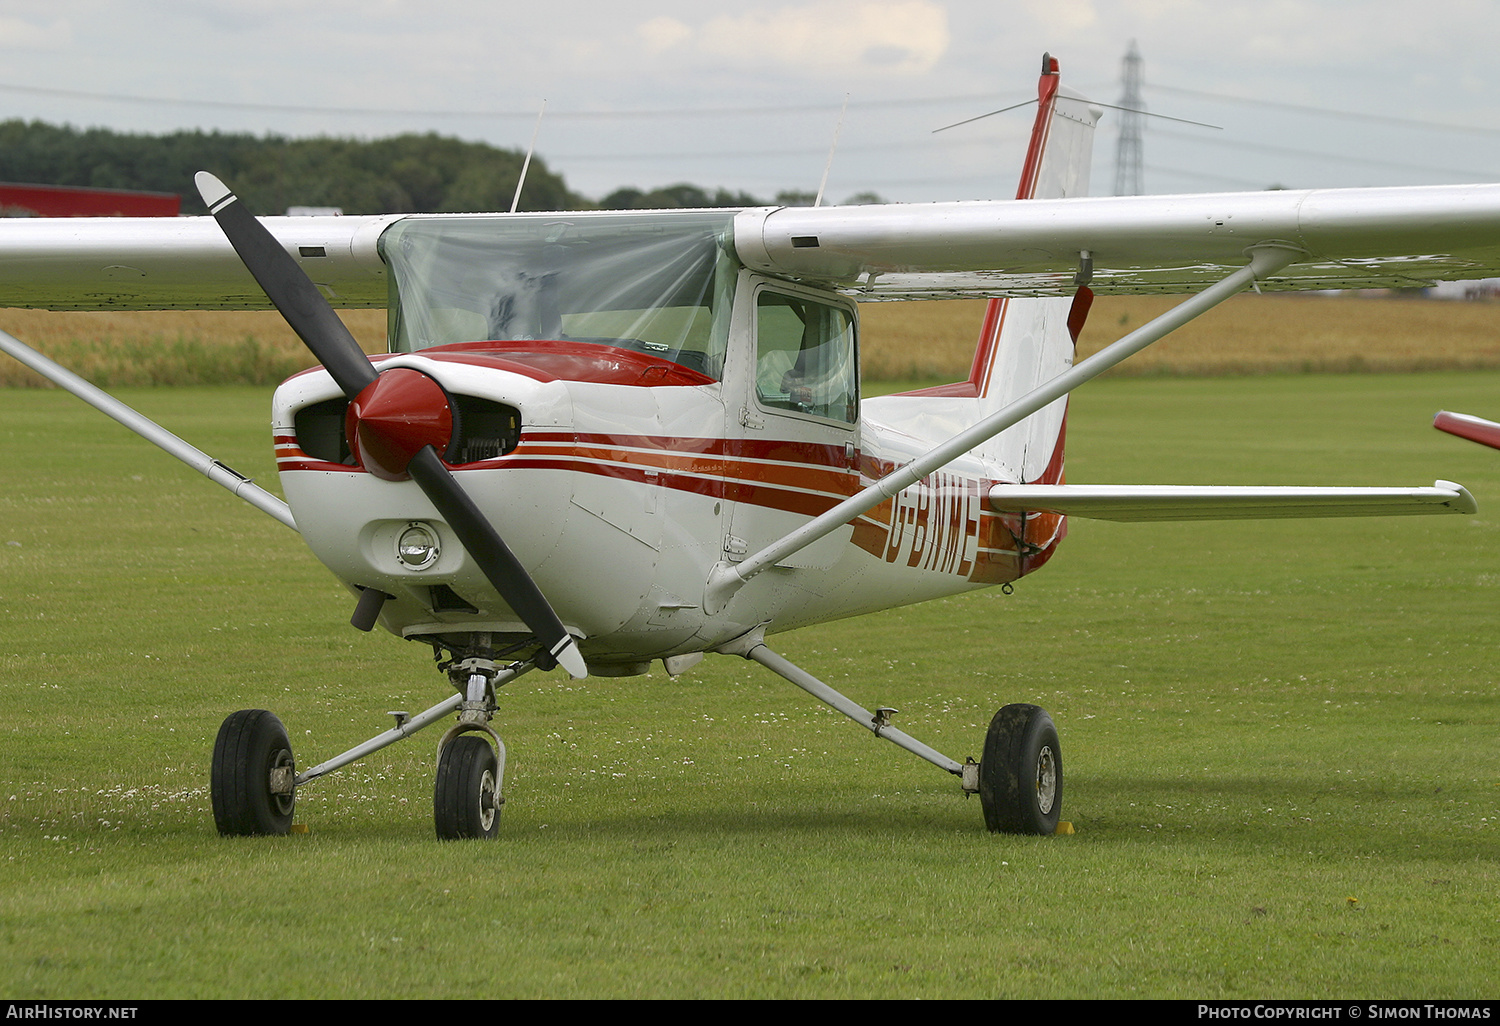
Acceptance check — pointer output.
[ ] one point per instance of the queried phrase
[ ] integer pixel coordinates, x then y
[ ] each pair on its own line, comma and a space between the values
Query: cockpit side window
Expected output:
805, 357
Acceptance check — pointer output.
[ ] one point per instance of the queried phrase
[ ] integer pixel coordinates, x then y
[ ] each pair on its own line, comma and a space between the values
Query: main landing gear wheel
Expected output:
1020, 775
251, 782
466, 798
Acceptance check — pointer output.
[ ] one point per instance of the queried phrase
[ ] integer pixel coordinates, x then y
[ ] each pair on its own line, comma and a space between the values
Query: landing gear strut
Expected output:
466, 797
1019, 780
255, 779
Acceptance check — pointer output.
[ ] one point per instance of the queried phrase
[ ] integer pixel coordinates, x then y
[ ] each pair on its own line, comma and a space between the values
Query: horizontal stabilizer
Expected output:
1227, 502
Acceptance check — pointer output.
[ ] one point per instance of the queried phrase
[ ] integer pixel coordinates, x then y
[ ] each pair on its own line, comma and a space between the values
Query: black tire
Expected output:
251, 743
1021, 774
466, 798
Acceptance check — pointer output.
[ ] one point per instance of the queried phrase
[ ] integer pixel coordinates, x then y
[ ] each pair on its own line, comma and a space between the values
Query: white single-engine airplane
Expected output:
604, 439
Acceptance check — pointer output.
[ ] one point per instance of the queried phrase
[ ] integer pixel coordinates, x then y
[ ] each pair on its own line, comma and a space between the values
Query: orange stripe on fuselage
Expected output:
940, 524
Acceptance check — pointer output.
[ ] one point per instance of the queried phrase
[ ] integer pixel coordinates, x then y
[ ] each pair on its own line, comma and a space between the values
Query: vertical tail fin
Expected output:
1025, 342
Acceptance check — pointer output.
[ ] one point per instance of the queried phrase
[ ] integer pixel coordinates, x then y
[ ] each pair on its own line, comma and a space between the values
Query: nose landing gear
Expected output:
466, 799
255, 778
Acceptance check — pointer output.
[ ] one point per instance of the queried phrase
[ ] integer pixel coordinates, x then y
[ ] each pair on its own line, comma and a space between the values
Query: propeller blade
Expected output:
288, 287
293, 293
494, 557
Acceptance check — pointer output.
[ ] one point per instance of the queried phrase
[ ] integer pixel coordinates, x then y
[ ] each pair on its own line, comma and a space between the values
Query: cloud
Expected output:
661, 34
1066, 17
19, 33
837, 36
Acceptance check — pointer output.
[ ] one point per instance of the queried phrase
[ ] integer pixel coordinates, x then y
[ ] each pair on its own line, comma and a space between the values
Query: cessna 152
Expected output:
605, 439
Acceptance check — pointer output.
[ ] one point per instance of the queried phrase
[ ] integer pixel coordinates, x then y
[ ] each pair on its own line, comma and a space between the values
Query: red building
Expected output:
75, 201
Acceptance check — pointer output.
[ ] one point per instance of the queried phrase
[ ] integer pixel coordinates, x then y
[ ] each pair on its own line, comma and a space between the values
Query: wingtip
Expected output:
213, 191
1464, 503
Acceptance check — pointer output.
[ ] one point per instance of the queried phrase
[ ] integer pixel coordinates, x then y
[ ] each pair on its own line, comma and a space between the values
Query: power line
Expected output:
567, 115
1236, 184
919, 145
1349, 115
1343, 158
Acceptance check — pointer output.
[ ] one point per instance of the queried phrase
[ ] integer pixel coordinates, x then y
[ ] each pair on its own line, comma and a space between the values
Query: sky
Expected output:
749, 96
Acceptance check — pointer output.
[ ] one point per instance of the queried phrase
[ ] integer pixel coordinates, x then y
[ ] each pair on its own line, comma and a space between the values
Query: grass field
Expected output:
1281, 742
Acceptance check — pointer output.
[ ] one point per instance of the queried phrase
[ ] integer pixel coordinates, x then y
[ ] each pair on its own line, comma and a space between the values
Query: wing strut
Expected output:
151, 431
727, 578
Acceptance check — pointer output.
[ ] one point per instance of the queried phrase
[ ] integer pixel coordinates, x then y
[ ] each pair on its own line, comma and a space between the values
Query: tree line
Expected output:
398, 174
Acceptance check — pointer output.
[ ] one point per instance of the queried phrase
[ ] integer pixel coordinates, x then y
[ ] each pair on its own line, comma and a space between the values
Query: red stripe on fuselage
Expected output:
943, 523
559, 360
793, 476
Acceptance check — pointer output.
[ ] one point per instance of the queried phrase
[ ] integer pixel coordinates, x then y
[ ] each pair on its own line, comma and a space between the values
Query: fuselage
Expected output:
624, 458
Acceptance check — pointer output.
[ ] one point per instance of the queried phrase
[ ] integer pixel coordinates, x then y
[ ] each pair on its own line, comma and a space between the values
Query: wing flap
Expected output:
1227, 502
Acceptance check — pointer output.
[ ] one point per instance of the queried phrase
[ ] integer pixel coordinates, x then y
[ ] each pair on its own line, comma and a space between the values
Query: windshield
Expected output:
659, 283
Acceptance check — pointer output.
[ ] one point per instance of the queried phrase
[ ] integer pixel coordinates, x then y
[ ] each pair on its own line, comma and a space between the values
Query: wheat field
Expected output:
123, 349
930, 341
1248, 334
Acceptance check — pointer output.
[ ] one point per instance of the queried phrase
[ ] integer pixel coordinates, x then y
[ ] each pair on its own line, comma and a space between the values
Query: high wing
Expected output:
1343, 238
150, 263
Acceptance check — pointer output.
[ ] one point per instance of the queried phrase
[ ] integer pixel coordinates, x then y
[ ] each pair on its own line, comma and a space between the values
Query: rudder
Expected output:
1024, 343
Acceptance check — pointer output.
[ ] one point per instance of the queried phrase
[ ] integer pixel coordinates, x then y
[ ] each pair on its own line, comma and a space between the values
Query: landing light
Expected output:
417, 548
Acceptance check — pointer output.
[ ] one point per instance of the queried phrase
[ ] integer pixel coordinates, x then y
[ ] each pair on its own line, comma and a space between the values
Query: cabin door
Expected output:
797, 454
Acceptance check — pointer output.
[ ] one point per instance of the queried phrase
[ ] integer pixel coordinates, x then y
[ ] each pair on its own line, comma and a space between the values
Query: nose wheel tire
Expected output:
251, 781
1020, 775
466, 798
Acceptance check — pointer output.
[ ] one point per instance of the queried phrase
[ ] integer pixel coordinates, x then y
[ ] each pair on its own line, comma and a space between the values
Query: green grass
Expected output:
1260, 721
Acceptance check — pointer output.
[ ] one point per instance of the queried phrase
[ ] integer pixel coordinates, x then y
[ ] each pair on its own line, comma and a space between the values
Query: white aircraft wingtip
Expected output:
1465, 502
